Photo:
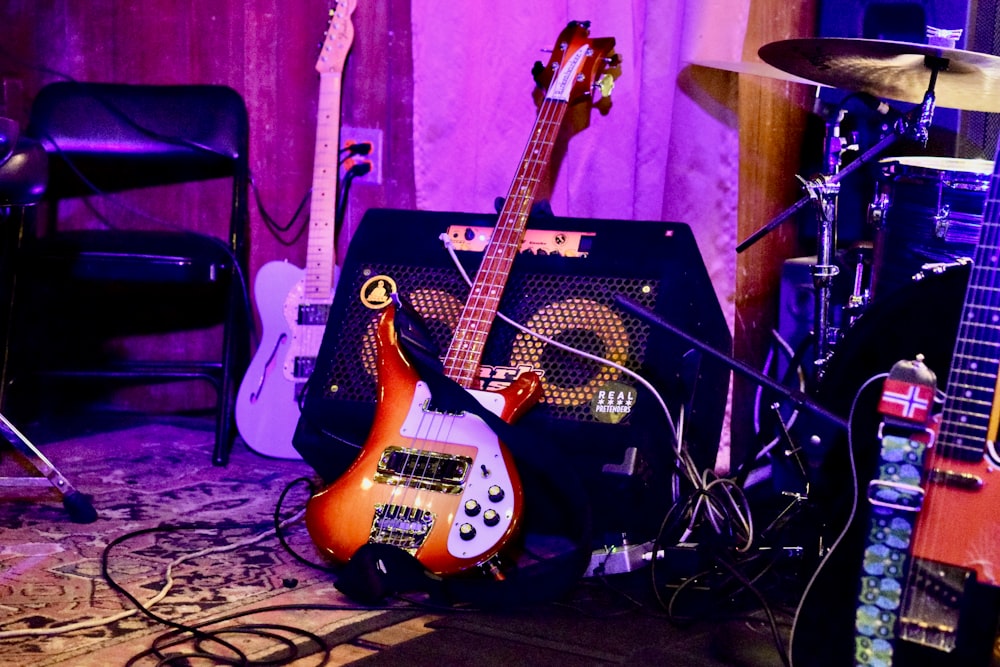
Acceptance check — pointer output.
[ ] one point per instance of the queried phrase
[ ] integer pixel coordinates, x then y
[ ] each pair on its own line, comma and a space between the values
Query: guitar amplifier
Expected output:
601, 422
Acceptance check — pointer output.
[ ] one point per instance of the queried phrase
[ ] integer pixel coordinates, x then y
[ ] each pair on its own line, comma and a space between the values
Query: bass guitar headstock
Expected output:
580, 68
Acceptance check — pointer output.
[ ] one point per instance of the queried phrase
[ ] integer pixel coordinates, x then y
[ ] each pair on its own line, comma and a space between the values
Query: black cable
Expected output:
360, 148
748, 585
276, 228
203, 636
193, 630
357, 169
278, 527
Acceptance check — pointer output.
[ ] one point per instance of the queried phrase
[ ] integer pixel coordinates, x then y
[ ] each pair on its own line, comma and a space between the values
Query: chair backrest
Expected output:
124, 136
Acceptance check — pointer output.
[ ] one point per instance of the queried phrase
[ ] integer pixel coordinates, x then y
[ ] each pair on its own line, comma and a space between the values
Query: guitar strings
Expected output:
461, 363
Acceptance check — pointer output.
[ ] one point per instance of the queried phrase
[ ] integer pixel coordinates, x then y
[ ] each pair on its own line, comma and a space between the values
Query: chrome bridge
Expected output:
401, 526
931, 610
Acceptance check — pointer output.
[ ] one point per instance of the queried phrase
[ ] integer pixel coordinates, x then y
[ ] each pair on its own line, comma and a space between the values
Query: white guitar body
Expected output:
267, 404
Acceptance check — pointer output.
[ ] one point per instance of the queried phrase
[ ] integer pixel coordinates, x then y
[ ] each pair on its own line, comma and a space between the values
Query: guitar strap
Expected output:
895, 497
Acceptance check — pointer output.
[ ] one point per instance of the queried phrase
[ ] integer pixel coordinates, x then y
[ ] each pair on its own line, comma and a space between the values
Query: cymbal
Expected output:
892, 70
754, 68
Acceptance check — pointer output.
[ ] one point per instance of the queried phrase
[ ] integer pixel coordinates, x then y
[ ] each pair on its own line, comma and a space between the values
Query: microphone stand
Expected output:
796, 397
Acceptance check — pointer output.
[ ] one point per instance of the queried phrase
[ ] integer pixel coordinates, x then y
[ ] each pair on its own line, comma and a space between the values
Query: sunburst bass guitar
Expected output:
294, 303
441, 485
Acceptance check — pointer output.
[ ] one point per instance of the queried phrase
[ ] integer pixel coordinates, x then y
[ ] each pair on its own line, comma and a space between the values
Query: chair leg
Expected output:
224, 416
233, 363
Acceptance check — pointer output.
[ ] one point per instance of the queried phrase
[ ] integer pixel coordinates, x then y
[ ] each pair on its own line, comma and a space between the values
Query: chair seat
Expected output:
134, 256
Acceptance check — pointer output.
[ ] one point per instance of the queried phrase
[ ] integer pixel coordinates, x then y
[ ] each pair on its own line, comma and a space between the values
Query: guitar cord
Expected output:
277, 229
211, 640
854, 502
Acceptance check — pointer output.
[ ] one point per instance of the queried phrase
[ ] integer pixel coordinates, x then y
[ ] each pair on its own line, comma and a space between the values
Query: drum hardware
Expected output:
797, 398
927, 210
917, 73
941, 220
822, 191
877, 210
860, 295
797, 499
937, 268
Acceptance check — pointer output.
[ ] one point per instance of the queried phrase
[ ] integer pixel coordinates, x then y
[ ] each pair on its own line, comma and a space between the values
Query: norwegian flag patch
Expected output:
906, 400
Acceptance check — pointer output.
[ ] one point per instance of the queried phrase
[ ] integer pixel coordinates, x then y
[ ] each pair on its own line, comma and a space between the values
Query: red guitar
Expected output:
950, 599
439, 485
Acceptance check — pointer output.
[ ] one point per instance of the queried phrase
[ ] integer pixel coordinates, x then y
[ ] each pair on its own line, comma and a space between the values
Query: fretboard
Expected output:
321, 252
463, 358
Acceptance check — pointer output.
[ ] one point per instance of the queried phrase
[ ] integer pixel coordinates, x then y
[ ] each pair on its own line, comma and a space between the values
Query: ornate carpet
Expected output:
150, 476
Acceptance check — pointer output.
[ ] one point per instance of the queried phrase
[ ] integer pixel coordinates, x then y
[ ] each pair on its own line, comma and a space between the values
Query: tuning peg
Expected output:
605, 84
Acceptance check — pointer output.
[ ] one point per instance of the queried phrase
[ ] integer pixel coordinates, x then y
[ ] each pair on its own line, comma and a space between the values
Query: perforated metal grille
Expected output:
577, 311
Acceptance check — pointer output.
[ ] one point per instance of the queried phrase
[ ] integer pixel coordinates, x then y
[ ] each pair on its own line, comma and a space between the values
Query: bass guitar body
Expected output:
267, 403
438, 485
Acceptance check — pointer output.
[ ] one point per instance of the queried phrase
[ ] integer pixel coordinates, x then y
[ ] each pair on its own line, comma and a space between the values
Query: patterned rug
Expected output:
159, 476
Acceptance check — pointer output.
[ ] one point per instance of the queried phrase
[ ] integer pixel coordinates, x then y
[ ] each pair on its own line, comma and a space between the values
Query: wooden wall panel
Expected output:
773, 117
266, 49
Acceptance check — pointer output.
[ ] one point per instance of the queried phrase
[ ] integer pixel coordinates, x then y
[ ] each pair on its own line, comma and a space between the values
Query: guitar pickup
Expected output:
304, 366
313, 314
435, 471
931, 610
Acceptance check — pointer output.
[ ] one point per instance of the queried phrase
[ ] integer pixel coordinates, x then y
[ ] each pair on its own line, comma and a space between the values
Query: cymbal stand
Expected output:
77, 505
823, 190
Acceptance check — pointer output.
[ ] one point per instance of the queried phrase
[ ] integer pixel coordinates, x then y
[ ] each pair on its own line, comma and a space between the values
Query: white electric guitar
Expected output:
294, 303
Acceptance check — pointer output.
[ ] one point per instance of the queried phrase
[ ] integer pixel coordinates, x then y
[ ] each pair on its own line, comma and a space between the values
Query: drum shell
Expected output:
927, 210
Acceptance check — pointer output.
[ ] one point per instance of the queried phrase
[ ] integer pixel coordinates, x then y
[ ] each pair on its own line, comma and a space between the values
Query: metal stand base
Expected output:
77, 505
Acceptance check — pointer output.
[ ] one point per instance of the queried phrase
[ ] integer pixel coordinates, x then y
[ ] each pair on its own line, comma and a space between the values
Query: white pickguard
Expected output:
488, 468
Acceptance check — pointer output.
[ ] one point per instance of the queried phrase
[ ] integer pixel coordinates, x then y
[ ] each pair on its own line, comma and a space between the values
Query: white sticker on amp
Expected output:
613, 402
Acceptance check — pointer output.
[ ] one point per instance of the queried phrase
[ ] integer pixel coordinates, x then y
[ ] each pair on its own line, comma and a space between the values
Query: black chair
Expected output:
123, 265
